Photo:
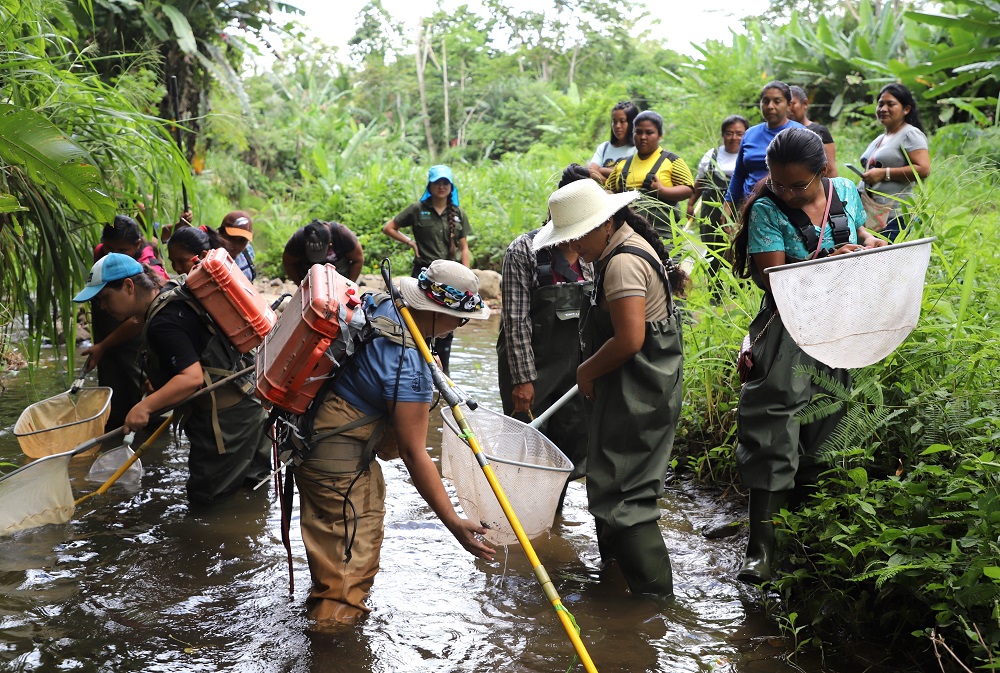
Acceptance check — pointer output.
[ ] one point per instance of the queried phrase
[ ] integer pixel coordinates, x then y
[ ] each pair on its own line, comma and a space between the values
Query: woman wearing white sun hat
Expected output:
632, 372
386, 387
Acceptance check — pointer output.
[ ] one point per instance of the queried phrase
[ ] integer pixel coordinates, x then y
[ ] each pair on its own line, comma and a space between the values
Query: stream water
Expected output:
138, 581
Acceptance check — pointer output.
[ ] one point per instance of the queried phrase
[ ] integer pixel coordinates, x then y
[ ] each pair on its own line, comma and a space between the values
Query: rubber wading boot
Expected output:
643, 558
760, 547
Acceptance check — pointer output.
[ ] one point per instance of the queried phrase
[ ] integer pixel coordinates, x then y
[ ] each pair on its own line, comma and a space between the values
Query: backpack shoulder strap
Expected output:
644, 254
623, 176
803, 225
651, 175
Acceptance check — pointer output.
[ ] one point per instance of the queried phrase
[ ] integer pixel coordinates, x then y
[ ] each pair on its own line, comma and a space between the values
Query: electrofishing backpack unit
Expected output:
319, 329
234, 304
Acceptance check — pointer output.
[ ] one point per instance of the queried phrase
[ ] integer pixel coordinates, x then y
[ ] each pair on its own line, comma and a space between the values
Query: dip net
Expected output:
529, 467
853, 310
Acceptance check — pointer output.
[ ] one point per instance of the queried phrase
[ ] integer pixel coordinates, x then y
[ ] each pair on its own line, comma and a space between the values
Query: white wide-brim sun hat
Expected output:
577, 209
445, 287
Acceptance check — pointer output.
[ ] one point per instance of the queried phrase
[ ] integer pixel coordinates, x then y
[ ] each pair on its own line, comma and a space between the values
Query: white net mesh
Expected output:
530, 468
853, 310
37, 494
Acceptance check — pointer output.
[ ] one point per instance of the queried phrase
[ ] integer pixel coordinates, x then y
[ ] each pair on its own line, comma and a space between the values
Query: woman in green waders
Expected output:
227, 430
631, 373
777, 455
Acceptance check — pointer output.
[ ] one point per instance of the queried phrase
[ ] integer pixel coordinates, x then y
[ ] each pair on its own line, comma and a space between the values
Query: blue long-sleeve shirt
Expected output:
751, 166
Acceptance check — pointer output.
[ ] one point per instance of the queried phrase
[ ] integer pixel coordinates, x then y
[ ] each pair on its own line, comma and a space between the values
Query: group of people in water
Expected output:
589, 298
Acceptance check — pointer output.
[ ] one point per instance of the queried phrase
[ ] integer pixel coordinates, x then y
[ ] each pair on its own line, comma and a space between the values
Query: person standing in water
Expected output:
538, 348
440, 231
631, 374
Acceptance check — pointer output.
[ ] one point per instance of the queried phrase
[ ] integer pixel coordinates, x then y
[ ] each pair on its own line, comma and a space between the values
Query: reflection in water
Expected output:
138, 581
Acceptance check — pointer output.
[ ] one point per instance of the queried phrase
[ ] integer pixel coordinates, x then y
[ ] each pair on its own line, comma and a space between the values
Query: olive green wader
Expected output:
342, 511
777, 455
227, 430
555, 343
632, 425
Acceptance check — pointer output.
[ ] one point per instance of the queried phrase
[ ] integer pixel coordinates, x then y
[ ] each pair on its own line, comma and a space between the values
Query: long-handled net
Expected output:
452, 399
855, 309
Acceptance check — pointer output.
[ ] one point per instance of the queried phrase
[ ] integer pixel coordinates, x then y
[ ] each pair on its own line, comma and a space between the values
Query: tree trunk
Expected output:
444, 78
423, 49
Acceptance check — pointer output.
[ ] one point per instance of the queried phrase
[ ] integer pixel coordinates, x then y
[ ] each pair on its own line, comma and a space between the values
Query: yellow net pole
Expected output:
128, 463
548, 588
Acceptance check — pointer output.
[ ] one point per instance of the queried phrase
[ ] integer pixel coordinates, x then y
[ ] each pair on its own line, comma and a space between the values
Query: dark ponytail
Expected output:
792, 146
680, 282
572, 173
196, 240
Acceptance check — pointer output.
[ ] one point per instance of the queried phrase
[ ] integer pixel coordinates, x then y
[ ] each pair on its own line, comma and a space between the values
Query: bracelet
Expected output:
887, 177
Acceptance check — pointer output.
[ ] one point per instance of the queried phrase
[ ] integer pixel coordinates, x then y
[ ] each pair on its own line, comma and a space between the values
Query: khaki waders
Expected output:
338, 470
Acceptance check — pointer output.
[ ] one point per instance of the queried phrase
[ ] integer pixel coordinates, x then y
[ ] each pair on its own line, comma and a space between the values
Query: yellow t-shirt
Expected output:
671, 173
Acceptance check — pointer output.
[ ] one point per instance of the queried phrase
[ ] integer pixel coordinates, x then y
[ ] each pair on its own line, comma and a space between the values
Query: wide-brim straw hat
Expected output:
445, 287
577, 209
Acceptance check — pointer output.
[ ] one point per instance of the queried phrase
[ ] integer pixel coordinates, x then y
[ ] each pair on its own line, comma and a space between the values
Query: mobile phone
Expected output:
855, 169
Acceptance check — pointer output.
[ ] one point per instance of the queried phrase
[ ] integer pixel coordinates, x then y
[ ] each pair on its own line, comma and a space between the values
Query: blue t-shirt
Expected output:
245, 260
751, 164
770, 230
370, 380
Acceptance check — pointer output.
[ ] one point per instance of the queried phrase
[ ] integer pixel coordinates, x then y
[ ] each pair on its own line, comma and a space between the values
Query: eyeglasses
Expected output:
780, 189
733, 134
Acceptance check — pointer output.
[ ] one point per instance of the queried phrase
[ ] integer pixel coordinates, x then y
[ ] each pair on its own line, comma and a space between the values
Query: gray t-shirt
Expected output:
888, 150
607, 155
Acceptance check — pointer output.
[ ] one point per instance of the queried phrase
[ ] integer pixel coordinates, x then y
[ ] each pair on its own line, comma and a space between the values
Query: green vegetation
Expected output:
902, 538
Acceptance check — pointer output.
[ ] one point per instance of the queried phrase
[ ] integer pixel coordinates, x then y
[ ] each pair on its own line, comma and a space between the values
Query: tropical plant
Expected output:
75, 149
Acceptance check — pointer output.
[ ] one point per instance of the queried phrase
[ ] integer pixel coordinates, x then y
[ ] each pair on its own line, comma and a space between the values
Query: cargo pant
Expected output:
337, 470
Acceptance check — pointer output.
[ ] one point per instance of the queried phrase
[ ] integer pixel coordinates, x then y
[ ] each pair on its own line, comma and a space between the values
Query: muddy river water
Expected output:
138, 581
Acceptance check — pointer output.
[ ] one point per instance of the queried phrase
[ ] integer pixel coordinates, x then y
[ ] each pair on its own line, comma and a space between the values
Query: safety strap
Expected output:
839, 224
650, 176
644, 254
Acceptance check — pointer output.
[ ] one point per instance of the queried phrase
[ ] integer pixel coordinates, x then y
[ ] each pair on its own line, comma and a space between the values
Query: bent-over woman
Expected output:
342, 490
226, 429
777, 456
632, 373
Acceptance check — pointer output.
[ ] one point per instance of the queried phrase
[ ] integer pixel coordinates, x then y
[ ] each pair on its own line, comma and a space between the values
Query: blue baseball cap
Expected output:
113, 266
440, 172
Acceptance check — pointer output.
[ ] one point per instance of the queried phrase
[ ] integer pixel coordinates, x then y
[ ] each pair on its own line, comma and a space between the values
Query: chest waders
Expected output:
661, 214
332, 447
777, 456
632, 425
555, 345
228, 429
713, 189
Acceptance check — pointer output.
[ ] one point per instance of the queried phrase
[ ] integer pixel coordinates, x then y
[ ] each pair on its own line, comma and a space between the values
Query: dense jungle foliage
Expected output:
902, 541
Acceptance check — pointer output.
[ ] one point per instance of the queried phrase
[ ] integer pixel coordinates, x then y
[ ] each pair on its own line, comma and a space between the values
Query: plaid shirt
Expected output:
520, 277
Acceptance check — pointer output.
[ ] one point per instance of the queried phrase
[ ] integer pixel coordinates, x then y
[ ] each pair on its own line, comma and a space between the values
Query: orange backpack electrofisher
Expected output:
240, 313
314, 335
